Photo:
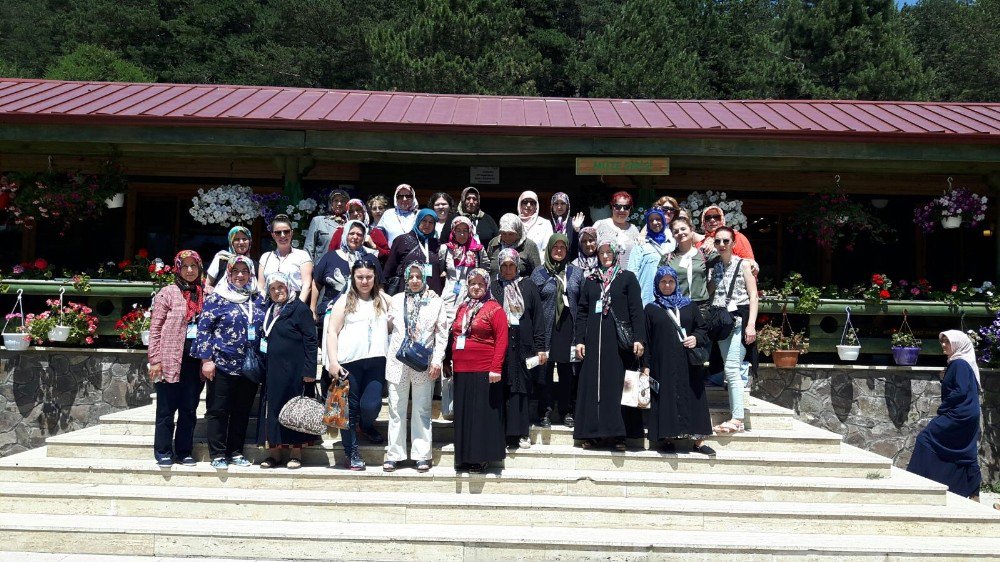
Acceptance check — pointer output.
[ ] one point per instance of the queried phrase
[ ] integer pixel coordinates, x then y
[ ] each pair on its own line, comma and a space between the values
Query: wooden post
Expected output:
293, 168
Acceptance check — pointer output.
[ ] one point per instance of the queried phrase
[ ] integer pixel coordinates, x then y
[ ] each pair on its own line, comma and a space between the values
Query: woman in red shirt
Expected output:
479, 345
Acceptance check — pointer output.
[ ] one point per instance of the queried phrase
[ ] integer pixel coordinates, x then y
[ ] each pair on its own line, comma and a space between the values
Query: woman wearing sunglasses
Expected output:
711, 219
400, 219
293, 262
624, 233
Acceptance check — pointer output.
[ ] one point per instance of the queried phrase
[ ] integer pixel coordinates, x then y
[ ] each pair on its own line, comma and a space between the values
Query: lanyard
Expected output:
269, 327
676, 317
248, 310
425, 248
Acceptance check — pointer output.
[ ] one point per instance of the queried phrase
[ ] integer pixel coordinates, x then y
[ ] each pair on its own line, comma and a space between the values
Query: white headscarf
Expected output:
413, 202
961, 348
528, 220
232, 293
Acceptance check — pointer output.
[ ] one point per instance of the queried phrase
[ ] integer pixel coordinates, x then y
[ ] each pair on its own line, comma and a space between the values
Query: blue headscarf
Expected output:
661, 236
421, 237
676, 300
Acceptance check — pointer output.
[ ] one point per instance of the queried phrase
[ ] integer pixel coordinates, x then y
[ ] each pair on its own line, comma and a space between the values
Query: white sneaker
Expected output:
524, 443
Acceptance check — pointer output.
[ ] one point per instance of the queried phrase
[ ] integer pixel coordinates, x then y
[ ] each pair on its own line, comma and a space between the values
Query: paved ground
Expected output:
988, 498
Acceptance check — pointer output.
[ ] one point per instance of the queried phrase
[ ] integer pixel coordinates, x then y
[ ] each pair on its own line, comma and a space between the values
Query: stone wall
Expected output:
881, 409
48, 391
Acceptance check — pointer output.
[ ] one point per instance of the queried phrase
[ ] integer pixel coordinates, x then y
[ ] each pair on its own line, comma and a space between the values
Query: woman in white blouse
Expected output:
419, 314
295, 263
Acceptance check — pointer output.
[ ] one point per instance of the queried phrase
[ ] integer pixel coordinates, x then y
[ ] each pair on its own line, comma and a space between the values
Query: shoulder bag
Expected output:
412, 353
624, 333
719, 320
697, 356
303, 414
337, 408
253, 364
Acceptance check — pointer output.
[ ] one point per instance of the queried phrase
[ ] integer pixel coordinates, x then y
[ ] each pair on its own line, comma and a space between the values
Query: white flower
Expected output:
295, 224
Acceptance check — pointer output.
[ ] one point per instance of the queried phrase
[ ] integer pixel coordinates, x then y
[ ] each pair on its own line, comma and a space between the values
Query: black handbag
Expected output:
697, 356
413, 354
719, 321
624, 333
253, 364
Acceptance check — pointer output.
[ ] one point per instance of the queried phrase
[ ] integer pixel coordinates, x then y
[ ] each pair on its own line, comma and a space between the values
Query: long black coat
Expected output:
599, 413
681, 405
291, 355
405, 249
525, 339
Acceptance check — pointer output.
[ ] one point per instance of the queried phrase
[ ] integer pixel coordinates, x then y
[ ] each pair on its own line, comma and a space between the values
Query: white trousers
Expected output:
420, 420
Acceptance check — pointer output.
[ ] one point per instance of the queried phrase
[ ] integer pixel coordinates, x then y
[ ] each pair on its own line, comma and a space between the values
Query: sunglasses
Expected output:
723, 241
404, 196
713, 217
282, 232
529, 202
376, 209
622, 207
669, 210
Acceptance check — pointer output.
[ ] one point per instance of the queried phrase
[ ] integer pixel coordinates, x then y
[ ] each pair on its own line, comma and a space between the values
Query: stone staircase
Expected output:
784, 489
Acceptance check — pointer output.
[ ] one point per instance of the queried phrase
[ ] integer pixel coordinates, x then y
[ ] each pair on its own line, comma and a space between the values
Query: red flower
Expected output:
40, 263
142, 253
878, 280
124, 263
152, 268
954, 288
883, 294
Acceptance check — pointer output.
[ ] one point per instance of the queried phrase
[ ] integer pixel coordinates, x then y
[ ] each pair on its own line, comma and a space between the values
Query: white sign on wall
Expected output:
488, 175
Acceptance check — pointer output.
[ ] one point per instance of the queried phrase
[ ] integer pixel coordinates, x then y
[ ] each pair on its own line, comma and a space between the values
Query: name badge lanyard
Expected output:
676, 317
251, 330
268, 326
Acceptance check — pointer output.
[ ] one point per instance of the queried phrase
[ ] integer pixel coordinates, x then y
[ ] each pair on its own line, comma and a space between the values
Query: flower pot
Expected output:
905, 355
116, 201
951, 222
785, 358
59, 333
16, 341
848, 352
145, 337
598, 213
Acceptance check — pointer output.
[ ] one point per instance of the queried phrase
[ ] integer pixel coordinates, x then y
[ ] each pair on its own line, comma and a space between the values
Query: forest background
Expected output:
946, 50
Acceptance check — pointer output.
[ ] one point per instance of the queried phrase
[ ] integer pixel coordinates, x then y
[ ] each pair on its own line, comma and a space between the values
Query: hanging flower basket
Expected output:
117, 201
784, 346
850, 346
145, 337
785, 358
951, 222
905, 347
833, 219
59, 333
17, 340
957, 207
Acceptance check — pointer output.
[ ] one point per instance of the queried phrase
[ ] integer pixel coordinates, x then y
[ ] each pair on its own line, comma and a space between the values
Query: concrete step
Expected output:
898, 488
153, 536
959, 518
848, 461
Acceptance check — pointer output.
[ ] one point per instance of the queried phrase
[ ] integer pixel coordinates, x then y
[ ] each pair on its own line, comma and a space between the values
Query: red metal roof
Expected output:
101, 103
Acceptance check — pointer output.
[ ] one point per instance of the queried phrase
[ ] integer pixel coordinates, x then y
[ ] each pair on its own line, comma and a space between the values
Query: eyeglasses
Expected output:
282, 232
723, 241
713, 217
377, 209
622, 207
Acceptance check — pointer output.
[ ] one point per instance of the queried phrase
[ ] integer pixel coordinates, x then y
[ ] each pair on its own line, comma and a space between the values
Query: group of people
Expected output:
529, 320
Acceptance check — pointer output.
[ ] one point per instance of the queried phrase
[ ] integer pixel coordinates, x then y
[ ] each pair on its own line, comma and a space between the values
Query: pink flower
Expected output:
89, 340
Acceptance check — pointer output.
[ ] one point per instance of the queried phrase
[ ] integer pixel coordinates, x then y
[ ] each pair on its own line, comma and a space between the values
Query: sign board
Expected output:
637, 166
488, 175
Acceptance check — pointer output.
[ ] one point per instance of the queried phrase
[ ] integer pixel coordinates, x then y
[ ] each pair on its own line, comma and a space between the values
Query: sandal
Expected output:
389, 466
423, 466
270, 462
293, 464
731, 426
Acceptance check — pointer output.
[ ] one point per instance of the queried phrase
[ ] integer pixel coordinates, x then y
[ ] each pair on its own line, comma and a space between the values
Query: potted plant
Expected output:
958, 206
905, 348
133, 328
18, 339
732, 208
850, 345
784, 349
832, 219
226, 205
79, 318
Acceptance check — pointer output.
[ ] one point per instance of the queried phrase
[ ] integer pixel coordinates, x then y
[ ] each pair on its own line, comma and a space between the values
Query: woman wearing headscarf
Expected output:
558, 283
460, 255
418, 314
356, 338
400, 219
173, 326
565, 223
239, 245
420, 244
479, 345
646, 257
512, 236
229, 327
484, 228
322, 227
526, 340
332, 275
536, 228
599, 413
947, 450
374, 238
288, 341
711, 219
680, 407
586, 259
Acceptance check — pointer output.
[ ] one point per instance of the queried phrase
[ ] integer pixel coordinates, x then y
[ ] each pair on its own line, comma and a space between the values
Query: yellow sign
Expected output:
591, 166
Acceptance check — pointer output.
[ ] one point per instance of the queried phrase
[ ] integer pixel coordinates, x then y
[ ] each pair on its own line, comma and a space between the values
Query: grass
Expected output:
874, 476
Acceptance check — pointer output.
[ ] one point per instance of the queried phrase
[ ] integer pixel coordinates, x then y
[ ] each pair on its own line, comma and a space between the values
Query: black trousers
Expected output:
561, 393
181, 399
230, 398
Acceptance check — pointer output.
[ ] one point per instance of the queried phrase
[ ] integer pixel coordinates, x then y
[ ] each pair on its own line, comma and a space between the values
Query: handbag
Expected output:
719, 320
624, 333
253, 364
412, 353
635, 390
303, 414
337, 409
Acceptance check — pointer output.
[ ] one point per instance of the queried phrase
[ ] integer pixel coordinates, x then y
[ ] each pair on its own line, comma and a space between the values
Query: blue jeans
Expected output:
732, 354
367, 377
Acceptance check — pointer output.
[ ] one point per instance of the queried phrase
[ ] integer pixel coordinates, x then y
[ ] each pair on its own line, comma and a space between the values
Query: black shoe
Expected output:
568, 420
668, 447
705, 450
545, 422
479, 468
372, 435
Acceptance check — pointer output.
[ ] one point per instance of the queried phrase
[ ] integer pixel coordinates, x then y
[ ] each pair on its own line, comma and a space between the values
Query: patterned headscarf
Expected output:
358, 203
474, 305
231, 292
513, 300
606, 275
424, 213
464, 255
279, 277
661, 236
674, 300
353, 255
587, 263
461, 205
557, 270
559, 223
194, 293
512, 223
232, 235
413, 299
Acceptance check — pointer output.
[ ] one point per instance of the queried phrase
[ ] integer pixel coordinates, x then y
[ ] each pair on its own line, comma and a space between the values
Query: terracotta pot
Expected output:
951, 222
785, 358
905, 355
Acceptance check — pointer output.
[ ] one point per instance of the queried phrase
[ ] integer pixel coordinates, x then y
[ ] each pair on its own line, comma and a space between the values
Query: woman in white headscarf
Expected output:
333, 273
536, 228
400, 219
512, 236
